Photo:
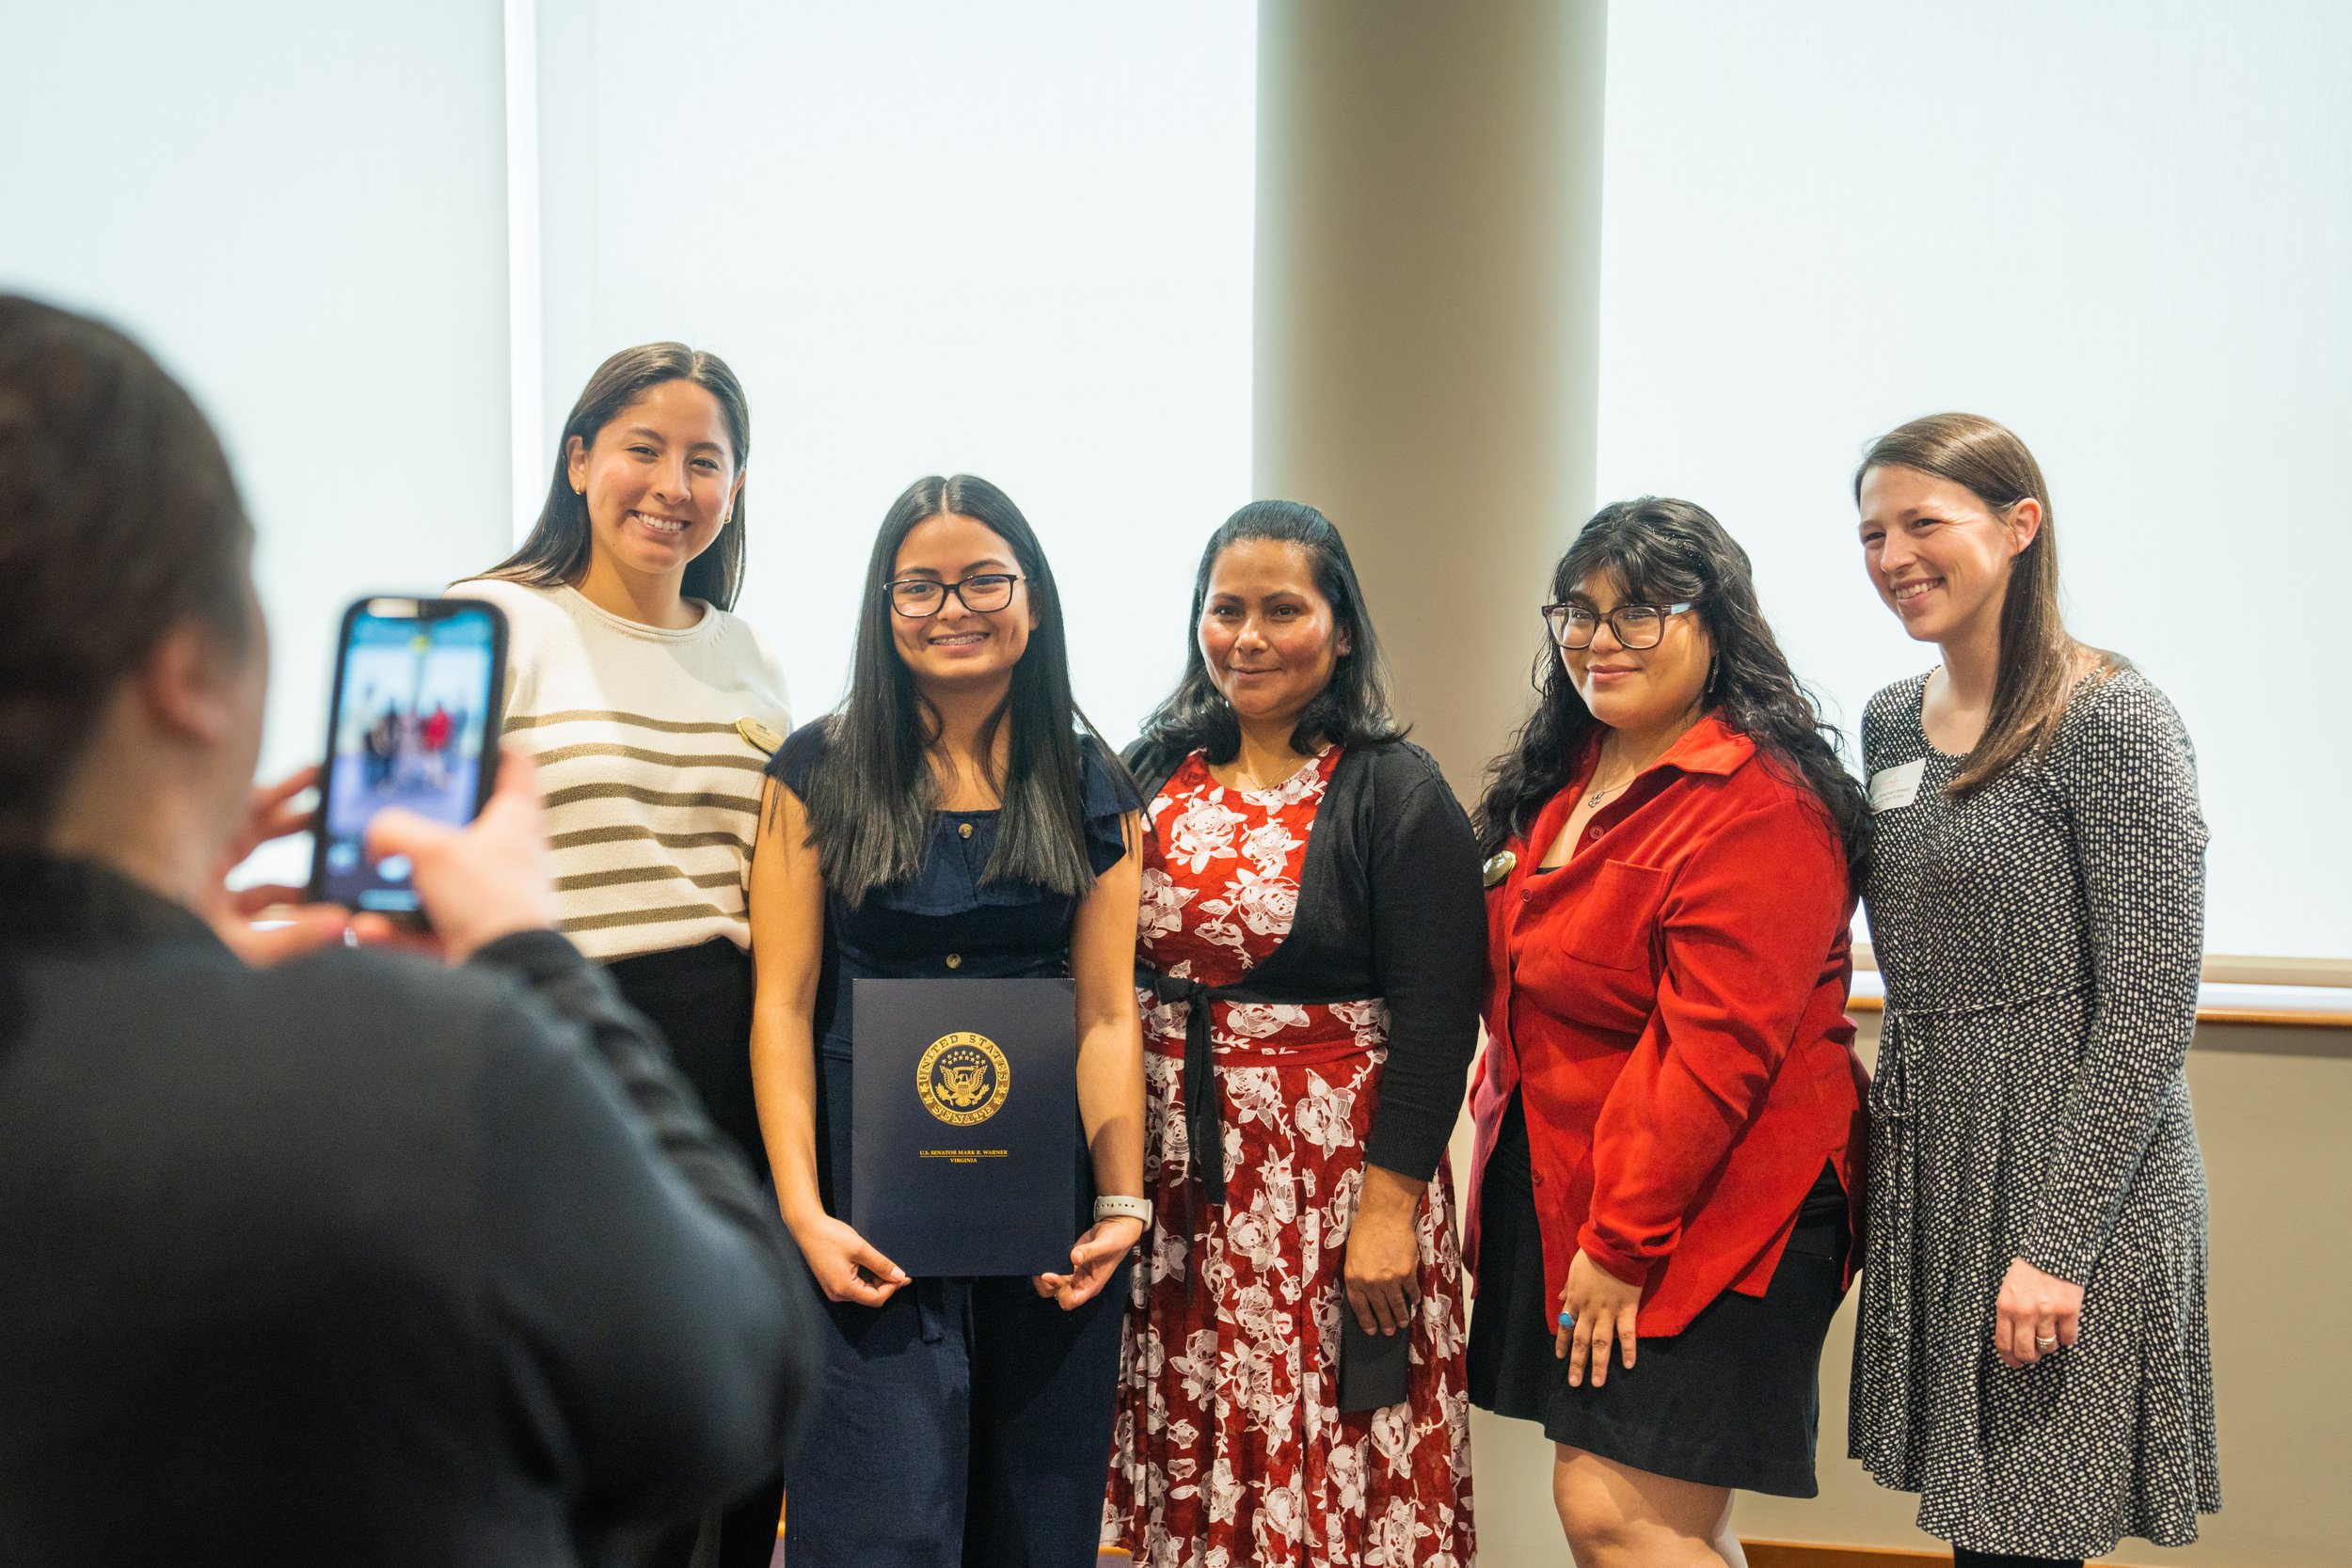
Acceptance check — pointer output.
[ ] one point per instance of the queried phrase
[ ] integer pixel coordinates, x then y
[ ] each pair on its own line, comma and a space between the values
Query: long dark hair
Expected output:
119, 520
1351, 710
2039, 657
1664, 551
870, 800
557, 551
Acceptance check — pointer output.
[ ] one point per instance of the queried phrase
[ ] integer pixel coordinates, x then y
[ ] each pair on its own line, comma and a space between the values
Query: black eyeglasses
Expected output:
1634, 626
920, 598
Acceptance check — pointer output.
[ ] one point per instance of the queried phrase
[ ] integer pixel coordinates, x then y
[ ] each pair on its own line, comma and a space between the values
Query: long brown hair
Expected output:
557, 551
2039, 658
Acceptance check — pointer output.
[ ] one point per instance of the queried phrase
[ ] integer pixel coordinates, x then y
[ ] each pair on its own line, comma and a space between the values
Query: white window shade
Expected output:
300, 209
1012, 239
2123, 229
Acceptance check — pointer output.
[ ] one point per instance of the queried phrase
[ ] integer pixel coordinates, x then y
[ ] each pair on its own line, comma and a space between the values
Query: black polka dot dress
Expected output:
2040, 944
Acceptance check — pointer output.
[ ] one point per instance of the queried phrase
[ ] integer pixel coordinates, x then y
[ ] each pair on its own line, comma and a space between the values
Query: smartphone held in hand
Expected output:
414, 722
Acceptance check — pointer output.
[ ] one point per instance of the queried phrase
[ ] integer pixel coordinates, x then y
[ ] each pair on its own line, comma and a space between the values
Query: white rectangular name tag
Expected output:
1893, 788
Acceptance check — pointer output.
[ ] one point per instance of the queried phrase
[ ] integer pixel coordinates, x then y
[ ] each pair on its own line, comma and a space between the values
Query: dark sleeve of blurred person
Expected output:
656, 1318
360, 1259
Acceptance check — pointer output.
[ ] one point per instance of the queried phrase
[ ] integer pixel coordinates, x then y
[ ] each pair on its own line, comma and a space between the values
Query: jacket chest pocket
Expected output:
1611, 923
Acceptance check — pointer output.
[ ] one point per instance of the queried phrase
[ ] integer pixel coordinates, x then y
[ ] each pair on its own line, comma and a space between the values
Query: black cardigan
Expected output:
1390, 906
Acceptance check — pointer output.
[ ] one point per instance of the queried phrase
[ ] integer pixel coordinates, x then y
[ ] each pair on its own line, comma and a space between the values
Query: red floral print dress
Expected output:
1229, 1447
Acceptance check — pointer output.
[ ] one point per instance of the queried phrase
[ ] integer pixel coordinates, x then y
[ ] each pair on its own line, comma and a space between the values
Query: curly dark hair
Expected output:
1663, 550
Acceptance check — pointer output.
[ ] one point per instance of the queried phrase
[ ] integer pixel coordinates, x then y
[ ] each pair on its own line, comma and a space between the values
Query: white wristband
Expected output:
1114, 1206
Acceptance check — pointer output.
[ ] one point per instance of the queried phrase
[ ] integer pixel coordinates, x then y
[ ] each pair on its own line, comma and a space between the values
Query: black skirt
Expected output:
700, 998
1734, 1400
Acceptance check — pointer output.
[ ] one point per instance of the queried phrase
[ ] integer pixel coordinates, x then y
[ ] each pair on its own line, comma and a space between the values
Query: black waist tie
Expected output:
1204, 1117
1204, 1111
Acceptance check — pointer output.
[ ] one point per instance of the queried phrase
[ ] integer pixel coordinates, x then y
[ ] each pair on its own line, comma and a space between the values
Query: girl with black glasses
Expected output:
1669, 1106
956, 815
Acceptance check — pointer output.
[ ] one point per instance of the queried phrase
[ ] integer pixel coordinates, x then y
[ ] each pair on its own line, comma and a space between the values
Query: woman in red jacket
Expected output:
1669, 1109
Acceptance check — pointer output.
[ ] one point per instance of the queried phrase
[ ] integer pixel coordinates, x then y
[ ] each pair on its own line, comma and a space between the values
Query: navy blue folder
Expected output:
964, 1124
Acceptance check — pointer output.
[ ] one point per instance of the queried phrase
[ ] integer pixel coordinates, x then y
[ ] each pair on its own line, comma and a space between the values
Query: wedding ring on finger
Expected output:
2045, 1341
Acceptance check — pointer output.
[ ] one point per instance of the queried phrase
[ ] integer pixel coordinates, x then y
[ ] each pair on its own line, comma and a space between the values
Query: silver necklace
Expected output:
1249, 782
1596, 794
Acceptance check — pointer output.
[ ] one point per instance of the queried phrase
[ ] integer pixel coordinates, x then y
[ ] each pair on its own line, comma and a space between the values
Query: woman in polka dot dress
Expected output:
2032, 1355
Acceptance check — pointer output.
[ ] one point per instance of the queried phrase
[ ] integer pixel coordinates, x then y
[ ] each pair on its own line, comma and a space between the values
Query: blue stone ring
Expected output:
1567, 1319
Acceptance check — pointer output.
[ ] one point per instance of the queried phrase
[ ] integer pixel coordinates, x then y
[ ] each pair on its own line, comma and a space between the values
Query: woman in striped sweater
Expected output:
652, 711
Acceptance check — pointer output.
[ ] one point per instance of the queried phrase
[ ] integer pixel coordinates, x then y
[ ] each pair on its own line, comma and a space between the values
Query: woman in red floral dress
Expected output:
1311, 943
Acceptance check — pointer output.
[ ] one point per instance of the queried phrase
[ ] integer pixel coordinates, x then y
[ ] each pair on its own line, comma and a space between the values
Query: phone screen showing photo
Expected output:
415, 699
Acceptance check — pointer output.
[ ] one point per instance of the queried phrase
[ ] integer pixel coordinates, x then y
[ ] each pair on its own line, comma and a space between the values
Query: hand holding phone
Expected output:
480, 882
267, 924
413, 725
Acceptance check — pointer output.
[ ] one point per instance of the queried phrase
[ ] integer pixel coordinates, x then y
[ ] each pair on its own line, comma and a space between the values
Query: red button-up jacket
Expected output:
1671, 1006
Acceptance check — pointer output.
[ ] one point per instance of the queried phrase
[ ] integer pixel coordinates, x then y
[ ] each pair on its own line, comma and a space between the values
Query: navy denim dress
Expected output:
963, 1420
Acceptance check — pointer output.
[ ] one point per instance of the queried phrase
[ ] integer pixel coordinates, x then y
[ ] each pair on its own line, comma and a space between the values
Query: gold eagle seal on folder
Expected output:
963, 1079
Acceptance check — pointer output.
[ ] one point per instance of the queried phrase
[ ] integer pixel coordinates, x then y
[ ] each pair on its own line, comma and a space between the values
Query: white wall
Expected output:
1012, 239
2122, 228
300, 209
1016, 240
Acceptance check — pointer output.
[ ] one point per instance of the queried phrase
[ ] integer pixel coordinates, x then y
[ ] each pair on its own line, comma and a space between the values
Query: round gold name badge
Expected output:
963, 1079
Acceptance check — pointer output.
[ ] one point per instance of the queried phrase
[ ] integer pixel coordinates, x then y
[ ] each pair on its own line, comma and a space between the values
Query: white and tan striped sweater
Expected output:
652, 783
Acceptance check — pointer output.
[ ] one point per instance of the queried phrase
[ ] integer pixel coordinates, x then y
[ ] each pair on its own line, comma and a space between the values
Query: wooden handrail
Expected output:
2276, 1019
2262, 1017
1797, 1554
2230, 969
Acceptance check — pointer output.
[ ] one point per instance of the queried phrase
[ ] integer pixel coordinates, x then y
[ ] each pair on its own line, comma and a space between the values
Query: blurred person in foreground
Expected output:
313, 1256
